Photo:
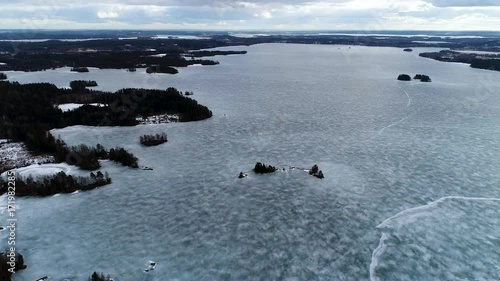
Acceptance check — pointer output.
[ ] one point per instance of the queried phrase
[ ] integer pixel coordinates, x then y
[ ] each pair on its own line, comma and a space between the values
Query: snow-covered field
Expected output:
15, 155
72, 106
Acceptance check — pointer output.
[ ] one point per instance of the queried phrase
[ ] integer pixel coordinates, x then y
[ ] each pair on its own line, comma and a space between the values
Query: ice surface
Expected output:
276, 105
453, 238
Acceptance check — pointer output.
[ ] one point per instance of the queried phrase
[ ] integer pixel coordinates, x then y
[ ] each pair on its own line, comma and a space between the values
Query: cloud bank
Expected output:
370, 15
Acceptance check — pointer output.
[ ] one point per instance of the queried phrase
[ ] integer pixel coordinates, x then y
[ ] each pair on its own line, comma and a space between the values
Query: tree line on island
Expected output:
87, 157
421, 77
152, 140
81, 85
83, 156
261, 168
59, 183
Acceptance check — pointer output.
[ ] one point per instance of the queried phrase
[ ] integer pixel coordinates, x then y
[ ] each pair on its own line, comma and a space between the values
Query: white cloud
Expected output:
107, 15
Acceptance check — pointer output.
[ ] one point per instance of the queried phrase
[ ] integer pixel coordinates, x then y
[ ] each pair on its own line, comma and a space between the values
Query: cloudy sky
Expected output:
368, 15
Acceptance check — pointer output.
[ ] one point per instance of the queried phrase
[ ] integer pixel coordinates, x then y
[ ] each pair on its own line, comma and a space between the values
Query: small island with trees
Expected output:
60, 183
316, 172
79, 85
404, 77
153, 140
421, 77
261, 168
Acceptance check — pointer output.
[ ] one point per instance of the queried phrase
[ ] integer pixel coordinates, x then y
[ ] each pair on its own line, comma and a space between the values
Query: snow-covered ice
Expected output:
36, 170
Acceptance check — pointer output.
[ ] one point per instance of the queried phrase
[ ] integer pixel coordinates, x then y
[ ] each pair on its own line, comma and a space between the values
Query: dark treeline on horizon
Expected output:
481, 61
170, 53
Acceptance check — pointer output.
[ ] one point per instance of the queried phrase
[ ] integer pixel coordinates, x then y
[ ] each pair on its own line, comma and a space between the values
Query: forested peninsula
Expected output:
480, 61
29, 111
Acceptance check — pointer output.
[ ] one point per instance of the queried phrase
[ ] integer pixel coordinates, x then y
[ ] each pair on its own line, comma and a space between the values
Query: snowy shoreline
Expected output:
15, 155
38, 170
158, 119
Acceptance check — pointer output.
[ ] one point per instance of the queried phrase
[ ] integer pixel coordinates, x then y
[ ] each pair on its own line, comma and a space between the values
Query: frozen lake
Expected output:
412, 175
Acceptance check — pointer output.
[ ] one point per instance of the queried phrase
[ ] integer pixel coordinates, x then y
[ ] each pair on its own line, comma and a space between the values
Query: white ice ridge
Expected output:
412, 214
402, 120
409, 99
395, 124
377, 253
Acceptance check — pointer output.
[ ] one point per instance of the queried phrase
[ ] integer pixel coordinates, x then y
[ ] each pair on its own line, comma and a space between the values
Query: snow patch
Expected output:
65, 107
16, 154
158, 119
37, 170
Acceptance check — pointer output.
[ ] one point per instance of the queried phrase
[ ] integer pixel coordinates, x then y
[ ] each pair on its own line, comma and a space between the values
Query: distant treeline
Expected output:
481, 61
161, 69
198, 54
28, 111
490, 64
37, 61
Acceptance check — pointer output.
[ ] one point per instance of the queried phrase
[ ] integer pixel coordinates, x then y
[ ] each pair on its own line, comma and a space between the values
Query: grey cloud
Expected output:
464, 3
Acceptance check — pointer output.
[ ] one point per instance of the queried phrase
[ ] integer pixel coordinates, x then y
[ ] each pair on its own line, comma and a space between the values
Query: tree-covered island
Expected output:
29, 112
